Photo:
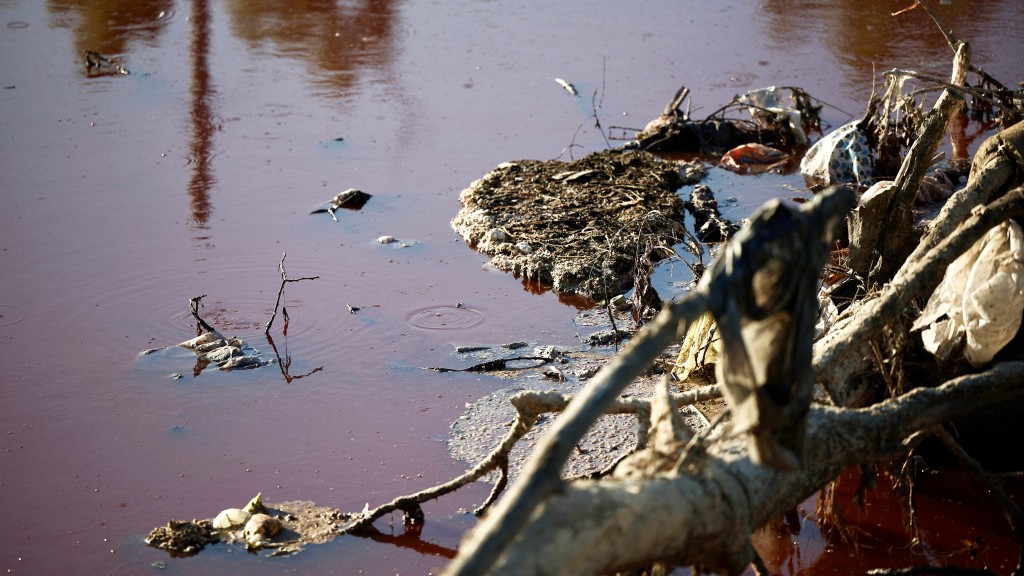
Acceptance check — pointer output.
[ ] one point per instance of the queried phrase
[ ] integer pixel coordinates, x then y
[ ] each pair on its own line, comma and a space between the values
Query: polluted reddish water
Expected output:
125, 195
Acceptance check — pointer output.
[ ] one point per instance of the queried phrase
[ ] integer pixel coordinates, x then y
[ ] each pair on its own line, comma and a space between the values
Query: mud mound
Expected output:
586, 227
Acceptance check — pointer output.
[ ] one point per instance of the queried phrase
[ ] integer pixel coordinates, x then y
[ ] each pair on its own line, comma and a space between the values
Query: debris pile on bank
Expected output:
576, 226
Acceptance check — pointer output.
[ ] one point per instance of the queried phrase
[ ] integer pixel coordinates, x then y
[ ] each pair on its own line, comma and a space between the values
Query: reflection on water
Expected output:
285, 363
338, 39
108, 26
861, 35
204, 124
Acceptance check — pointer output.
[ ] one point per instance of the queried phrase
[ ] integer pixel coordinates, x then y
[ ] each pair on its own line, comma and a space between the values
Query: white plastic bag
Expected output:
767, 109
981, 297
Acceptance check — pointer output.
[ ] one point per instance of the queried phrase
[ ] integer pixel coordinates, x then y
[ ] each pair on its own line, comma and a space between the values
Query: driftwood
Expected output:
674, 130
998, 165
761, 290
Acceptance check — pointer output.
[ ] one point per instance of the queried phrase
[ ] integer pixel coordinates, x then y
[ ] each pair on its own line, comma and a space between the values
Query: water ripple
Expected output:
444, 317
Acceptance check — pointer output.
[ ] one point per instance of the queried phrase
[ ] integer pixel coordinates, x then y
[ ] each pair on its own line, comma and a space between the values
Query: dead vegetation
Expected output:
589, 227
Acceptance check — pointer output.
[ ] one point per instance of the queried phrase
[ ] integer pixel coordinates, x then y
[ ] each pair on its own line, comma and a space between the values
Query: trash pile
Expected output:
283, 528
213, 348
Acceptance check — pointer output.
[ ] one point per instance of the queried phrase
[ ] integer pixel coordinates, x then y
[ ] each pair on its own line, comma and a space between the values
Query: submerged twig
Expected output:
496, 365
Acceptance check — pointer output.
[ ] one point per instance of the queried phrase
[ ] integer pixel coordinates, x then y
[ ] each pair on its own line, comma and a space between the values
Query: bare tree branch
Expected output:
704, 515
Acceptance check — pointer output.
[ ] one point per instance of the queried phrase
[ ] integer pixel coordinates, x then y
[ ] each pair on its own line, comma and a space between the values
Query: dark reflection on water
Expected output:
337, 39
201, 114
412, 539
860, 35
109, 26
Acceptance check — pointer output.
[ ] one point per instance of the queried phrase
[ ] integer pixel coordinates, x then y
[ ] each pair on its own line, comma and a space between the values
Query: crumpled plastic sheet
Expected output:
980, 299
841, 157
766, 107
754, 158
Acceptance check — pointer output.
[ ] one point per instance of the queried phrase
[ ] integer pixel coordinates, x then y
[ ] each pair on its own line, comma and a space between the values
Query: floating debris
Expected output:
841, 157
283, 528
568, 86
351, 199
225, 353
237, 517
183, 537
213, 348
99, 65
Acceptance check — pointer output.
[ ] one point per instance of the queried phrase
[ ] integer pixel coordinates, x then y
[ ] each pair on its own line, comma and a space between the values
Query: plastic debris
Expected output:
768, 111
980, 299
841, 157
567, 86
237, 517
98, 64
754, 159
700, 347
351, 199
260, 527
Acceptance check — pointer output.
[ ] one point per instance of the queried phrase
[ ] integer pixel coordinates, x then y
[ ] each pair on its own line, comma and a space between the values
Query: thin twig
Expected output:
284, 280
194, 307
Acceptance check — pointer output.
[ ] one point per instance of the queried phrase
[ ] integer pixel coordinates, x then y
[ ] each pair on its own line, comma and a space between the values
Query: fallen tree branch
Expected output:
725, 292
529, 406
542, 474
705, 514
585, 525
998, 165
900, 238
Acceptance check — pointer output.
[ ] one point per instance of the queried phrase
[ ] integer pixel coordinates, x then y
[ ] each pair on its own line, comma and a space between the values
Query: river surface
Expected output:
122, 196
